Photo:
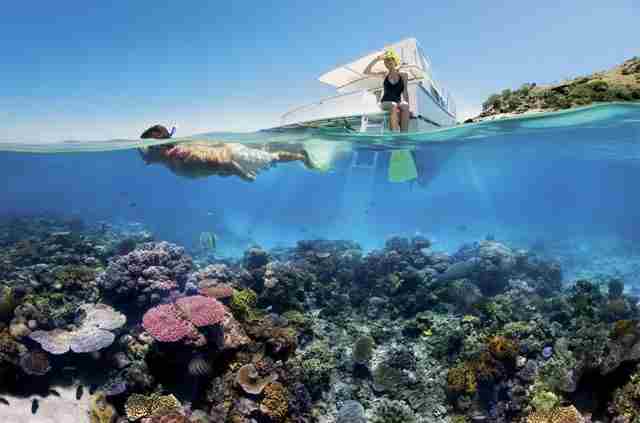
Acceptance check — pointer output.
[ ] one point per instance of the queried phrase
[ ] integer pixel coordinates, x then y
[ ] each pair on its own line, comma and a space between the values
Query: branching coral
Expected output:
388, 411
557, 415
243, 303
174, 322
138, 406
626, 400
462, 379
275, 404
502, 348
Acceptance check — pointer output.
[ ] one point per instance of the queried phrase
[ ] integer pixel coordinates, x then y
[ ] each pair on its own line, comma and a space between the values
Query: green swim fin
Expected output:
402, 167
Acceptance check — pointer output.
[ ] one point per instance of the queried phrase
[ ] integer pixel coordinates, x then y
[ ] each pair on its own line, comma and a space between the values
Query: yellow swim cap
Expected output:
392, 55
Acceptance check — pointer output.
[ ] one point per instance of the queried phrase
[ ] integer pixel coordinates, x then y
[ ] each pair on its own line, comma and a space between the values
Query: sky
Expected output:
99, 70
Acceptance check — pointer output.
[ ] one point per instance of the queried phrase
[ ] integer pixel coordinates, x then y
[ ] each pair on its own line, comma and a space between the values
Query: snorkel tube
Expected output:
173, 131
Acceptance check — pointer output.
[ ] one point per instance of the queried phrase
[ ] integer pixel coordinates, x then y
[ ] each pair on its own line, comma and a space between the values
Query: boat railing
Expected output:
341, 105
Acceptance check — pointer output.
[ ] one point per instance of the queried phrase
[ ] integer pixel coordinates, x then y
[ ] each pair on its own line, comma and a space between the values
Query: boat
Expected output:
356, 107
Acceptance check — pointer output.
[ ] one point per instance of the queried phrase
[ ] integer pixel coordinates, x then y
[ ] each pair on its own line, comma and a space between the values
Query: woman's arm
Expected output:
367, 70
405, 92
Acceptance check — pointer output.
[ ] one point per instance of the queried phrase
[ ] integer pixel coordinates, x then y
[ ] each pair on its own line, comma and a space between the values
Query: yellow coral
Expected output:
557, 415
163, 404
139, 406
462, 379
100, 411
275, 404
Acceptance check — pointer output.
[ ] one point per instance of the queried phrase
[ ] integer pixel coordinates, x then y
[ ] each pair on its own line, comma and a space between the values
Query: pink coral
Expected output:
201, 310
165, 324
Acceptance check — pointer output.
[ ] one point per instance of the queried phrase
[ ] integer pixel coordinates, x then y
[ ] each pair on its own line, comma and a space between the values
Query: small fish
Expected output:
69, 369
132, 204
54, 392
35, 404
79, 392
210, 213
4, 401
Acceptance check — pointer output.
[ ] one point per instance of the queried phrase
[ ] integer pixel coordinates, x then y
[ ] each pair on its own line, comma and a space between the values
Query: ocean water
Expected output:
567, 177
563, 185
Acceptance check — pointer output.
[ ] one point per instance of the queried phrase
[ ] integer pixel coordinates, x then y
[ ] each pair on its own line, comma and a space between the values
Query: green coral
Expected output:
8, 303
363, 349
71, 275
316, 364
543, 400
391, 411
387, 378
557, 372
243, 304
295, 317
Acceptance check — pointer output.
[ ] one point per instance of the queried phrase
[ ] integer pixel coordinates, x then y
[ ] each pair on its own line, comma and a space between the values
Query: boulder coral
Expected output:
147, 274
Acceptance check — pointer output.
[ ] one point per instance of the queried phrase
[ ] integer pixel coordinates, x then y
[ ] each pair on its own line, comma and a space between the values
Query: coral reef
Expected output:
320, 332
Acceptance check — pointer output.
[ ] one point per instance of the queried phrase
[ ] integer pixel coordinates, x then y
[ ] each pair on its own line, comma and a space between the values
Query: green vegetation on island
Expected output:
622, 83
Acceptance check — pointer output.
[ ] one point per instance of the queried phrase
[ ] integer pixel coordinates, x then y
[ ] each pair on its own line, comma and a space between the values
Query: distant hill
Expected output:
622, 83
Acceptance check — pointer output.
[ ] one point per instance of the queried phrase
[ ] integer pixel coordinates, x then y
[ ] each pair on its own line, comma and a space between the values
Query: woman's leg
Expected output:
394, 112
405, 114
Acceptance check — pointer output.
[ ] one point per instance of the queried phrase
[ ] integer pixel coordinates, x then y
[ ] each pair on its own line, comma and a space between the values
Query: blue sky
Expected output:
73, 70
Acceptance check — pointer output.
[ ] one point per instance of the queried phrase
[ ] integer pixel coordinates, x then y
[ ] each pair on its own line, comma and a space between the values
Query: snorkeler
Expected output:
395, 87
198, 159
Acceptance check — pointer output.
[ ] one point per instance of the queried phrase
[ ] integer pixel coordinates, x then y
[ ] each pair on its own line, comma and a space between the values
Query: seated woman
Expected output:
395, 87
198, 159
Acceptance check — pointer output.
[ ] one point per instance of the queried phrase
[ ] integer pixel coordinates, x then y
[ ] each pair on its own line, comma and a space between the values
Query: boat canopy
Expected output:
412, 61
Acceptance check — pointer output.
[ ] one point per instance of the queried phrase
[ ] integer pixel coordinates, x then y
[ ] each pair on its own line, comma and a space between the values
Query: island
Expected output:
621, 83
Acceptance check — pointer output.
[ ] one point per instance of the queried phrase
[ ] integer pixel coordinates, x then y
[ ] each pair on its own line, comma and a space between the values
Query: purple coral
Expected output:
201, 310
92, 335
146, 274
90, 339
173, 322
165, 325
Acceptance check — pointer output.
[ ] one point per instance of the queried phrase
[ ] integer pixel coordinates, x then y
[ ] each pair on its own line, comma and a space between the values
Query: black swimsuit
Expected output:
393, 92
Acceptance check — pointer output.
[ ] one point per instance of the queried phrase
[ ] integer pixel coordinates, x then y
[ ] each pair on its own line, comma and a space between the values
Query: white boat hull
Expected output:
361, 111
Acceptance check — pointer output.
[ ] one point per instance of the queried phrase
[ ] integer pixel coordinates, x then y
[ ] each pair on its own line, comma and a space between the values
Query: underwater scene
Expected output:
487, 272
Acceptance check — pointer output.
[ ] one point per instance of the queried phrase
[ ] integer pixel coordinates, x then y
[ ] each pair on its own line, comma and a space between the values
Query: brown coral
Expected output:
250, 380
502, 348
35, 363
100, 411
275, 404
221, 292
